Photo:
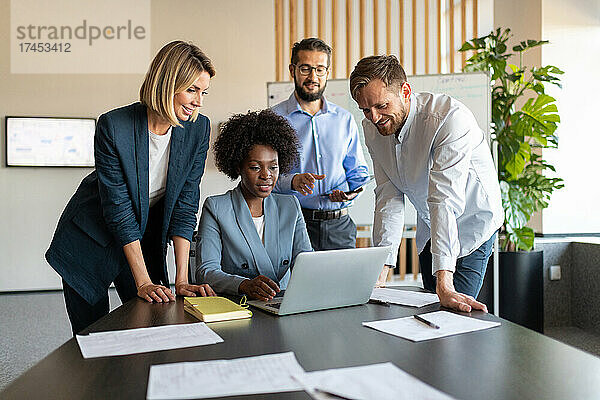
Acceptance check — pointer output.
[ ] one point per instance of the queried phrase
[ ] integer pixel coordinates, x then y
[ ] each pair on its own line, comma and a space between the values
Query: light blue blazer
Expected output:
229, 249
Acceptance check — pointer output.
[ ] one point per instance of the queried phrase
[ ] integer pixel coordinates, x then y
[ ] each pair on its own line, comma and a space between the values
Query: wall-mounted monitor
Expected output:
49, 142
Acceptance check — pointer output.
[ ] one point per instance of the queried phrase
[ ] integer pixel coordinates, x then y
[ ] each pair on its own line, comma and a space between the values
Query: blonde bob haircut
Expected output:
174, 69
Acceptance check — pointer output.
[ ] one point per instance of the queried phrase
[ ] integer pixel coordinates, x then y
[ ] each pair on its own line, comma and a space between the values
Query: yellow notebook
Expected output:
213, 308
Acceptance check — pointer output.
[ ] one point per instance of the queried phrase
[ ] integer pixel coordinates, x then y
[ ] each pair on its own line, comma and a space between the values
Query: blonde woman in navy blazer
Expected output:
108, 231
231, 256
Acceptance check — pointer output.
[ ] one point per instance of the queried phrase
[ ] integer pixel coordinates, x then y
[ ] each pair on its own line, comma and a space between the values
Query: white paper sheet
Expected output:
404, 297
382, 381
205, 379
449, 323
131, 341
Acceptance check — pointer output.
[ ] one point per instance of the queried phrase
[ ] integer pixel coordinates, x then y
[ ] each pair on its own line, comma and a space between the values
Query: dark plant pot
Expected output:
522, 288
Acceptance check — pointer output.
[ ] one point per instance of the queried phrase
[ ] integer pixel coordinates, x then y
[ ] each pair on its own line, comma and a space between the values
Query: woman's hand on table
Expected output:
187, 289
155, 293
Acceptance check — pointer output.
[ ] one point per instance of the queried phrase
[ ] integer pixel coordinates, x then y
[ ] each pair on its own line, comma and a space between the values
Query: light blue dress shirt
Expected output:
330, 145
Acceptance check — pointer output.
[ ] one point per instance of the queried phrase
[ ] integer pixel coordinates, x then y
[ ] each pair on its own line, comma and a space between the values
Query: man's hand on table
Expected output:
450, 298
381, 281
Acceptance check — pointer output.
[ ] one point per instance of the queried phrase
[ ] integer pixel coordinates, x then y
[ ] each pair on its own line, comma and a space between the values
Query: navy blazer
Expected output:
110, 207
229, 249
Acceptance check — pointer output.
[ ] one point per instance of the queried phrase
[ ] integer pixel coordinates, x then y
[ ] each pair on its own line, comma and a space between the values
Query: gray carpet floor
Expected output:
576, 337
32, 325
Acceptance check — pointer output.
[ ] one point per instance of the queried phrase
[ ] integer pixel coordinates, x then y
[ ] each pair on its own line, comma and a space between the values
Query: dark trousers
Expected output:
470, 270
82, 314
332, 234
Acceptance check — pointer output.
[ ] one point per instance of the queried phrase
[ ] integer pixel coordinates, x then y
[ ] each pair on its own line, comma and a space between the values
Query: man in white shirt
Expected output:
430, 148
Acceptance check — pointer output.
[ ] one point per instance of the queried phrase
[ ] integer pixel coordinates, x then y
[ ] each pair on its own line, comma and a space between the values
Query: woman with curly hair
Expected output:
248, 237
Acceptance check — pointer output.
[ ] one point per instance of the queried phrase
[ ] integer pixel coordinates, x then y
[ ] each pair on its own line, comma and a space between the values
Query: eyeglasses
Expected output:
305, 69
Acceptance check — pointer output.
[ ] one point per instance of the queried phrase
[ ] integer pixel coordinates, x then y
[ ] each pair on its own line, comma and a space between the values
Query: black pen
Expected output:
383, 303
428, 323
337, 396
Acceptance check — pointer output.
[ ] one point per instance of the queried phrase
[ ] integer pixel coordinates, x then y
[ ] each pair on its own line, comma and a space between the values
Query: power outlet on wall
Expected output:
555, 273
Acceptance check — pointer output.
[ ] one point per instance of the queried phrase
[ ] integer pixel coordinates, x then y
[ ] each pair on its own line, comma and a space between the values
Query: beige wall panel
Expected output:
32, 198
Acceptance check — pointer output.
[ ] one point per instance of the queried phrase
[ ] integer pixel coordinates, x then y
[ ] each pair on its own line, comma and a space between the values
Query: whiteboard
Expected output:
472, 89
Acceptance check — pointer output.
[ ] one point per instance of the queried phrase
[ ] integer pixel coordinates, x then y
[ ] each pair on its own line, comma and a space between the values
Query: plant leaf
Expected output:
528, 44
515, 165
526, 180
518, 207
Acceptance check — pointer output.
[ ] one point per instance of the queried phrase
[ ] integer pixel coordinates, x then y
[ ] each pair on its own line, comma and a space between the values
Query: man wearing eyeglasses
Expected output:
332, 165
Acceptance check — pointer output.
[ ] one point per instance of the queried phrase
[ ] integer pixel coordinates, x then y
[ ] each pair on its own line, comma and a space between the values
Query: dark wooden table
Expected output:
507, 362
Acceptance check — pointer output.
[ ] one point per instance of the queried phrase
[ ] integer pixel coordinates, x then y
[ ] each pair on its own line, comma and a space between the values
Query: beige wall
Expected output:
524, 18
573, 29
236, 34
239, 37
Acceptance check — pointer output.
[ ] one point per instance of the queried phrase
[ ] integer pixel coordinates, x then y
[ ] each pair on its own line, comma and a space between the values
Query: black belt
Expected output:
322, 215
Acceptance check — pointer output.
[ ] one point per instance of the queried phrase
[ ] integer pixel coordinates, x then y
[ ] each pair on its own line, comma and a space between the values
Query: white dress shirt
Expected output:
442, 162
159, 151
259, 223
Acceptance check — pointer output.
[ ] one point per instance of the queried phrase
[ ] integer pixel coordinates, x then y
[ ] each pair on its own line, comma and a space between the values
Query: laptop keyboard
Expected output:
275, 302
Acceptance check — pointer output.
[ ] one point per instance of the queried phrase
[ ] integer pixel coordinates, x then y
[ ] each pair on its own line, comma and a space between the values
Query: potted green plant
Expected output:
524, 121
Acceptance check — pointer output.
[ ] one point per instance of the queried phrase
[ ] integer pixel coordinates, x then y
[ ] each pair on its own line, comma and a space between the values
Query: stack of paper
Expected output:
378, 381
131, 341
275, 373
404, 297
414, 330
213, 308
219, 378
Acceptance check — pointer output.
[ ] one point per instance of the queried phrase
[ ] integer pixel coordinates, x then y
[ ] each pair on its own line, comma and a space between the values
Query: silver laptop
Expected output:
329, 279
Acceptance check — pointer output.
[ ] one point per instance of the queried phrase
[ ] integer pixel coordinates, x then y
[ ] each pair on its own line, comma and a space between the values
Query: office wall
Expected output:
236, 34
568, 301
524, 18
573, 29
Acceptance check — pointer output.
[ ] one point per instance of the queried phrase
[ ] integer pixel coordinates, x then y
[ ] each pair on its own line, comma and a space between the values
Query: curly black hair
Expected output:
242, 131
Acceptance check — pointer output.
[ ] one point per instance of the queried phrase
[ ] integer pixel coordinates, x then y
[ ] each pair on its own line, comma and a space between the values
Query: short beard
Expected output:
309, 97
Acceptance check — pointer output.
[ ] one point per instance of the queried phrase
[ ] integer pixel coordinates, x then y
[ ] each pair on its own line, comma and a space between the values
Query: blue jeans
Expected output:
470, 270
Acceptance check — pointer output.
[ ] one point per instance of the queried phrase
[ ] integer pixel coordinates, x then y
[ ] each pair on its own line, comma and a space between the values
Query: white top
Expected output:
442, 162
259, 223
159, 150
